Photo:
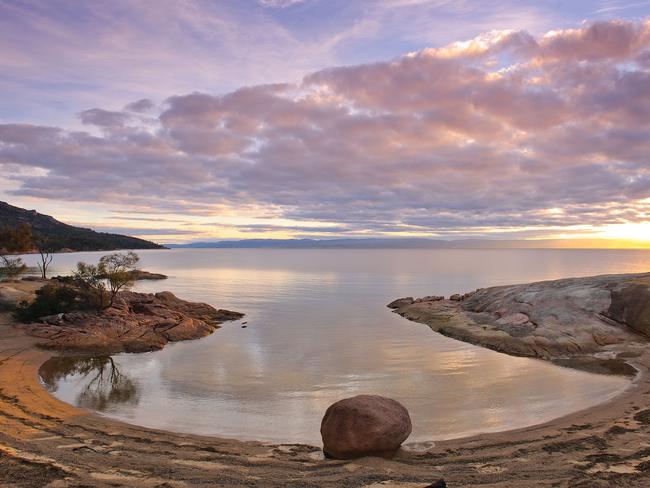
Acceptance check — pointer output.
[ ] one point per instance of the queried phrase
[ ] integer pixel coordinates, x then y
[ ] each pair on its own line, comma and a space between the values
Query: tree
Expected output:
45, 250
46, 260
90, 277
115, 270
11, 267
119, 269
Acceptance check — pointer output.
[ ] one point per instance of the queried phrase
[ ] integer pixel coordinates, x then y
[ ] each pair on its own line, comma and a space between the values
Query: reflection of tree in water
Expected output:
104, 384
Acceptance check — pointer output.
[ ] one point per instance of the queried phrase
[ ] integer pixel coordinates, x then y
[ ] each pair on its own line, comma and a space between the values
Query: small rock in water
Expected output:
364, 425
244, 326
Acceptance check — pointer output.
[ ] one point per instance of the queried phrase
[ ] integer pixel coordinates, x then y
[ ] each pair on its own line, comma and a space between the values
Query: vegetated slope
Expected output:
62, 236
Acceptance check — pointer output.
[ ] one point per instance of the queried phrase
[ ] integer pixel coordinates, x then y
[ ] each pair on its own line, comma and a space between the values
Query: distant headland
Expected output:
60, 237
407, 243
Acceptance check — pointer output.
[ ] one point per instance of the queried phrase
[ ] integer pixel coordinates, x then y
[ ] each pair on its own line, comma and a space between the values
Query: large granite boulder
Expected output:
364, 425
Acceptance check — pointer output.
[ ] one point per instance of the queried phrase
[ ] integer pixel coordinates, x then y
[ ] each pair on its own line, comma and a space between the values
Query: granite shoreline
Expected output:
595, 323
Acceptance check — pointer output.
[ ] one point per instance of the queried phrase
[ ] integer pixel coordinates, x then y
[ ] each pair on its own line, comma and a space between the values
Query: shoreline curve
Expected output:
46, 441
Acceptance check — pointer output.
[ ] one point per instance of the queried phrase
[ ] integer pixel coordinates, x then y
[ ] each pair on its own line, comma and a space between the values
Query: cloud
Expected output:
136, 231
601, 40
140, 106
279, 3
507, 132
105, 119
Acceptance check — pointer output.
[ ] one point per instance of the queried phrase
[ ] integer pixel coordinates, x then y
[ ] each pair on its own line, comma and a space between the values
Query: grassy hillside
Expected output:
62, 236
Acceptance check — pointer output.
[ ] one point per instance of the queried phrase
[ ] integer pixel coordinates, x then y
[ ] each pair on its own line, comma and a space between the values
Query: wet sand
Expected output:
44, 442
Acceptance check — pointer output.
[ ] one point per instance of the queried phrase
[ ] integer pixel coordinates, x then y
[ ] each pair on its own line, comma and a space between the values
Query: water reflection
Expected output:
99, 381
318, 330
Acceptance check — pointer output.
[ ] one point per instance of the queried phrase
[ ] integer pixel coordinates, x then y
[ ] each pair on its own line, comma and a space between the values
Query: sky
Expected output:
199, 120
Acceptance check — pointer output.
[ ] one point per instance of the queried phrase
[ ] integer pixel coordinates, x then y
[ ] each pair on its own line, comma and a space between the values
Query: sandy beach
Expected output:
44, 442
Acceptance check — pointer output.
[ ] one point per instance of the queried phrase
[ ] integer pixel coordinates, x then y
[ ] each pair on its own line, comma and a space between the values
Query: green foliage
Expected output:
90, 277
118, 269
92, 286
52, 299
105, 280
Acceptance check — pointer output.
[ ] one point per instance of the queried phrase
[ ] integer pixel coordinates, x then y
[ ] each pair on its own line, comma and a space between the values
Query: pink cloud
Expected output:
494, 131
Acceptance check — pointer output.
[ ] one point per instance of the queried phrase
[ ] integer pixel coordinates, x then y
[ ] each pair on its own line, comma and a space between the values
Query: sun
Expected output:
632, 231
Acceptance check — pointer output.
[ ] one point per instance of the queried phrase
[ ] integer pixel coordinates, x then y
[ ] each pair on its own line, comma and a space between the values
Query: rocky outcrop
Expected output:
631, 305
137, 322
140, 275
400, 302
429, 298
364, 425
569, 318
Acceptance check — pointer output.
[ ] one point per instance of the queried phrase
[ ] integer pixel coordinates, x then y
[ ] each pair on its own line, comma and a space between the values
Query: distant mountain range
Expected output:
62, 236
385, 243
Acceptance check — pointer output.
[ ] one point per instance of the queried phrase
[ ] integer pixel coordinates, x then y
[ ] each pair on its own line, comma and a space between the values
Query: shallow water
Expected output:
318, 330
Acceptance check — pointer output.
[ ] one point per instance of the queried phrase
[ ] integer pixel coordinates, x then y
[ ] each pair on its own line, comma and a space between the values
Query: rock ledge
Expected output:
592, 323
137, 322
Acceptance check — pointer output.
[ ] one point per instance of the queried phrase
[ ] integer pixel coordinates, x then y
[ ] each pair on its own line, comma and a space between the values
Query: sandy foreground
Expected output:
45, 442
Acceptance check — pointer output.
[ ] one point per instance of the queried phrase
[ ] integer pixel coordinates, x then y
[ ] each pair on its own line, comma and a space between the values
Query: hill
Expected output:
62, 236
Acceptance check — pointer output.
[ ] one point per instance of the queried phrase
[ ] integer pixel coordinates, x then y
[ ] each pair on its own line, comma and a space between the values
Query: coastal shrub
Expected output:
119, 269
114, 273
11, 267
90, 278
52, 299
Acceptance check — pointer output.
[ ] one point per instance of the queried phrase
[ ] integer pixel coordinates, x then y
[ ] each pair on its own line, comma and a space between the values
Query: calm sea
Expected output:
317, 330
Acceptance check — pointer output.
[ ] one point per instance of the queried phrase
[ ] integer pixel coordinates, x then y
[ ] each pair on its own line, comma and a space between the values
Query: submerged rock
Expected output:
364, 425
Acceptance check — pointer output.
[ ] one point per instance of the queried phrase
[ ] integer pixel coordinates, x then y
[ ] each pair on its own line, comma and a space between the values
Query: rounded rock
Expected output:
364, 425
